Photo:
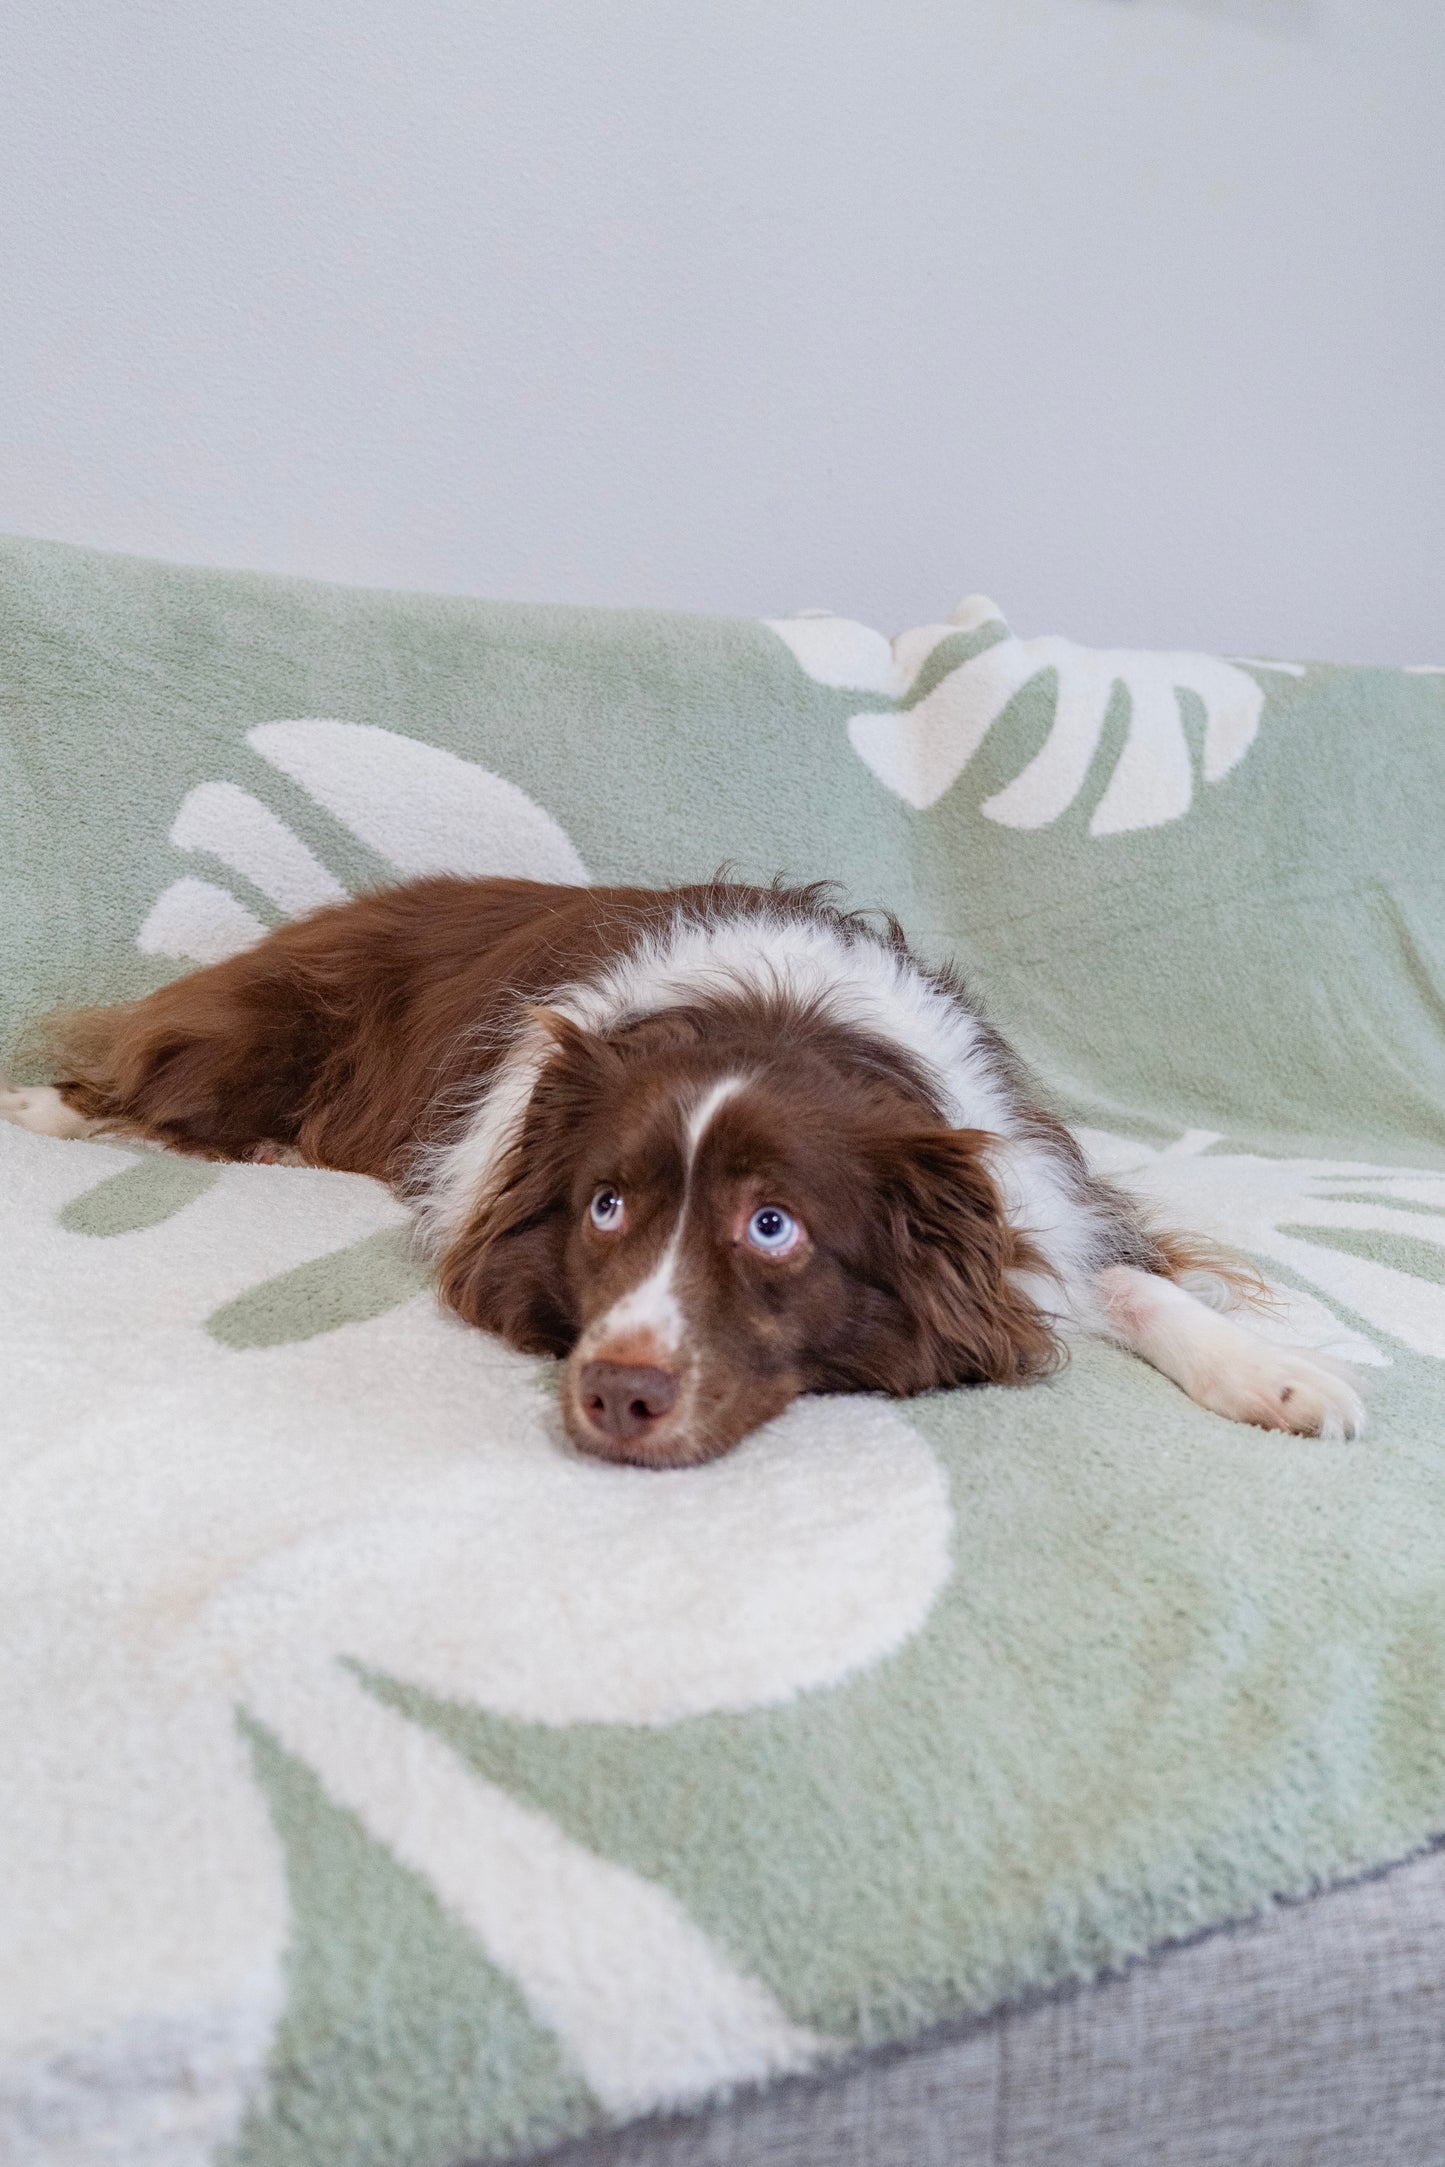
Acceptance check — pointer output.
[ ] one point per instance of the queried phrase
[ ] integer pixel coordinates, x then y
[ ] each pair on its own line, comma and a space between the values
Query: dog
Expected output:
713, 1146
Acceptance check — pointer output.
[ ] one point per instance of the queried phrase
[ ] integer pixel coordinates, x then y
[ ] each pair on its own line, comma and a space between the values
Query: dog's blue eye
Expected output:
606, 1210
773, 1230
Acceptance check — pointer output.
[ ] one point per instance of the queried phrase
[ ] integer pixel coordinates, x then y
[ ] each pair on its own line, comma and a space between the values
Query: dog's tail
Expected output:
1214, 1274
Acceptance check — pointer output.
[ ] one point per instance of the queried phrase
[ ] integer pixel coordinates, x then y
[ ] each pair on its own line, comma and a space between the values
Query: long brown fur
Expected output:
1189, 1256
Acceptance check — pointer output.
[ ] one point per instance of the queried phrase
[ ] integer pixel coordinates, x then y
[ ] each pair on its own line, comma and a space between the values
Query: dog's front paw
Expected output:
1283, 1388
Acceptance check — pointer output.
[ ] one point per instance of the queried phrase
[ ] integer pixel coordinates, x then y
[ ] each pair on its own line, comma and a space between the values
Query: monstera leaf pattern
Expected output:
420, 808
951, 683
1332, 1224
390, 1497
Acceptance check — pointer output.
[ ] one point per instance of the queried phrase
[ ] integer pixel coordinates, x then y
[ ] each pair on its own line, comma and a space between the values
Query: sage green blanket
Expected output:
386, 1787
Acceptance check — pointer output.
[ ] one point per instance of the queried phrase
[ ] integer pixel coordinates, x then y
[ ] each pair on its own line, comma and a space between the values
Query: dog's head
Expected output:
705, 1231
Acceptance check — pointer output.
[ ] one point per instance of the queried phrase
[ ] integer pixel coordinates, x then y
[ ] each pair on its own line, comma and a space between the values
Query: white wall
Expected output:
1130, 314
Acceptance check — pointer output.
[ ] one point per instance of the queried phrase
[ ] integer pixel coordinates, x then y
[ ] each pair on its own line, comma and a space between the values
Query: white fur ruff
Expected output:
854, 980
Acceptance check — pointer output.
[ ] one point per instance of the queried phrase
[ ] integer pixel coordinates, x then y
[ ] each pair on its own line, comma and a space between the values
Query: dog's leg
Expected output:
1221, 1364
219, 1063
41, 1108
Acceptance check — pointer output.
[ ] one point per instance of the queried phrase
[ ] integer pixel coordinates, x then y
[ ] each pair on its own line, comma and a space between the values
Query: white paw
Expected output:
1282, 1388
40, 1107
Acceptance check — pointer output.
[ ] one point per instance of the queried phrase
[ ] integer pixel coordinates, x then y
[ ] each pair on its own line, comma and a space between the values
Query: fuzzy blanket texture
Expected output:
383, 1785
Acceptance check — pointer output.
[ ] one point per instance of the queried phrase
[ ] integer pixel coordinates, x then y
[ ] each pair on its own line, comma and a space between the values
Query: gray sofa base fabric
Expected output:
1311, 2037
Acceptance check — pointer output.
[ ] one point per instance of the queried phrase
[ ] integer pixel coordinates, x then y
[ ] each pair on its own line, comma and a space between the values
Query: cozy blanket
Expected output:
383, 1785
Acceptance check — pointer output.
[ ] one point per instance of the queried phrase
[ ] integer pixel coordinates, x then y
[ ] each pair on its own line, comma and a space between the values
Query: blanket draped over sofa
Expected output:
384, 1786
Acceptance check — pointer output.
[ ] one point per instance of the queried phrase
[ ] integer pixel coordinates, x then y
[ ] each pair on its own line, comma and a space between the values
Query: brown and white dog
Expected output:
715, 1146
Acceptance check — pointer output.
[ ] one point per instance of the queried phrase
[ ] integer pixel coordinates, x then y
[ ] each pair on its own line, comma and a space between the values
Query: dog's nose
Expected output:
624, 1399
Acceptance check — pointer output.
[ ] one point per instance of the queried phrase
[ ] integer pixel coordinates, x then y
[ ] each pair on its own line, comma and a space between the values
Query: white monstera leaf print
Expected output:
921, 746
422, 809
190, 1532
1276, 1210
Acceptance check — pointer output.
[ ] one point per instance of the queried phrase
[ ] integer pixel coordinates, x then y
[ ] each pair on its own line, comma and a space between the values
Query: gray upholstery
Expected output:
1311, 2037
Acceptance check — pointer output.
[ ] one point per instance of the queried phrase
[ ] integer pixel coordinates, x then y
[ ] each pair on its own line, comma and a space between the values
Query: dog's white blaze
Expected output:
856, 982
698, 1120
652, 1306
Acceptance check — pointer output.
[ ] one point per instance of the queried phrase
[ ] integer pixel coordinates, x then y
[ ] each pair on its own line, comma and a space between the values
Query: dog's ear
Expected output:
506, 1271
954, 1260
